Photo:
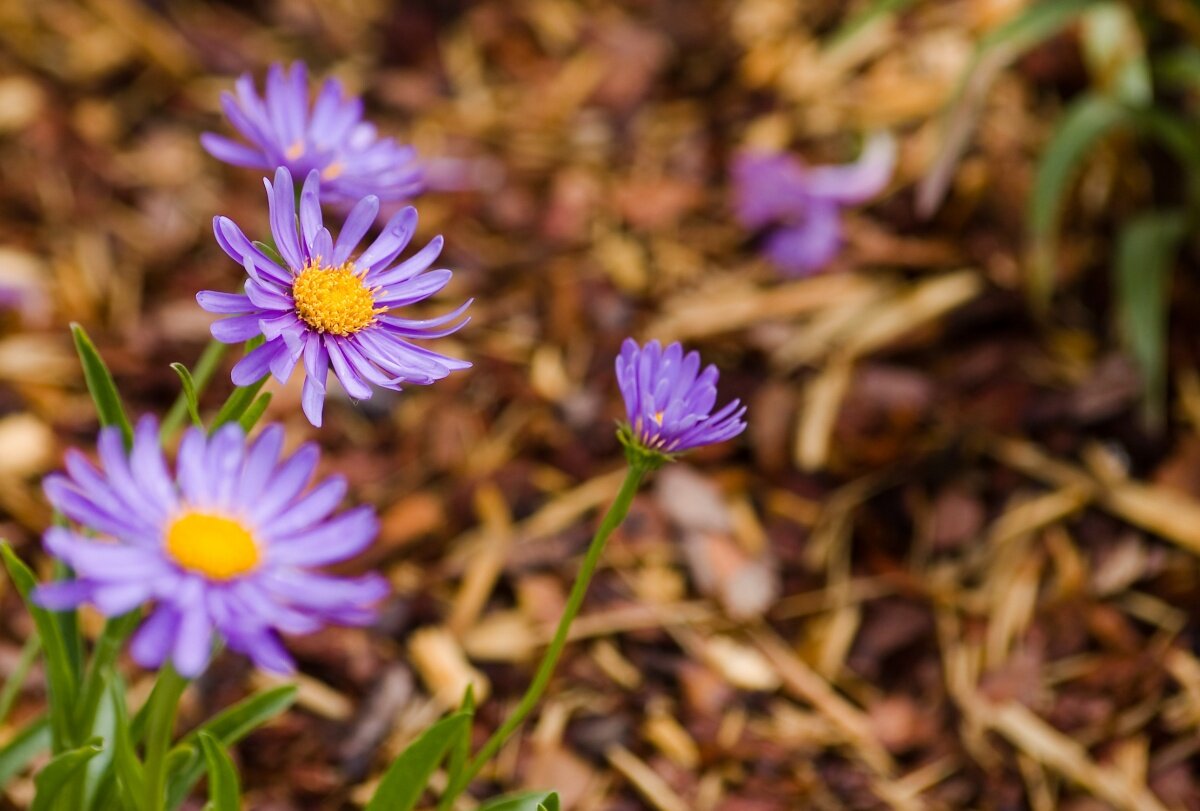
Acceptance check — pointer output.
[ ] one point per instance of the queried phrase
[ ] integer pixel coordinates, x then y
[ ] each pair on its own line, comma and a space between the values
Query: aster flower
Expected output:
801, 206
330, 137
669, 401
227, 544
329, 309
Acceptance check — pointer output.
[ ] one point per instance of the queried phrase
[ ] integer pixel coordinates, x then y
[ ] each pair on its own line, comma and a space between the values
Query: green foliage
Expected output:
100, 384
406, 779
31, 741
189, 393
224, 790
57, 779
1146, 249
529, 801
60, 673
227, 727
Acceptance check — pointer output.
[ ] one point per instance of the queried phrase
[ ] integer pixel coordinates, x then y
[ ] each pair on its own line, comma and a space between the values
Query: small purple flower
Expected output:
331, 138
328, 309
669, 401
228, 544
801, 206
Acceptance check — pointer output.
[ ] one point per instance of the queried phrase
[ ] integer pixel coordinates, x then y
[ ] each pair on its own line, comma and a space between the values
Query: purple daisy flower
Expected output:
802, 206
327, 308
669, 401
227, 544
331, 138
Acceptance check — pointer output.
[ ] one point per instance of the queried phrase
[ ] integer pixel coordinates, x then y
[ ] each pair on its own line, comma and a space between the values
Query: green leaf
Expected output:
1086, 121
55, 782
527, 801
104, 653
995, 52
16, 679
27, 744
238, 403
1146, 250
189, 393
228, 727
125, 760
406, 779
460, 751
100, 384
254, 413
874, 12
59, 673
205, 368
1115, 53
224, 790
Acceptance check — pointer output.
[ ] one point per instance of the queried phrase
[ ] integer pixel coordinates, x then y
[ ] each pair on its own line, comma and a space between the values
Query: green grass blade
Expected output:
460, 751
224, 789
206, 367
16, 679
407, 778
59, 673
527, 801
100, 384
227, 727
56, 781
254, 413
1086, 121
1146, 251
189, 393
26, 745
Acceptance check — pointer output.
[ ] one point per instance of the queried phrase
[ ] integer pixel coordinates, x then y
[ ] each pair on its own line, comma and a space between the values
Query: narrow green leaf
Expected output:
1086, 121
206, 367
254, 413
104, 653
995, 52
460, 750
189, 393
57, 779
59, 673
526, 801
100, 384
224, 790
228, 727
407, 778
16, 679
873, 13
237, 404
125, 760
1146, 250
1115, 53
27, 744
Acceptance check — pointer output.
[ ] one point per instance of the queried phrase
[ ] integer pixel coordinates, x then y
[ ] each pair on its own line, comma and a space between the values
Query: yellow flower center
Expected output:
334, 300
213, 545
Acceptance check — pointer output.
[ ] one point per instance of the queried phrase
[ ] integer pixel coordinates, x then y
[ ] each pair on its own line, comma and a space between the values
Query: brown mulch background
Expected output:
945, 568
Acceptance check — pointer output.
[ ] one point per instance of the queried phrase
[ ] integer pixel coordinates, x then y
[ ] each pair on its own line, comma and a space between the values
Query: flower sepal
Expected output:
638, 453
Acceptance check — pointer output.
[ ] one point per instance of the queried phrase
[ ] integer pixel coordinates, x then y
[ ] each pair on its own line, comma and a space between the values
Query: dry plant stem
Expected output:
159, 726
612, 519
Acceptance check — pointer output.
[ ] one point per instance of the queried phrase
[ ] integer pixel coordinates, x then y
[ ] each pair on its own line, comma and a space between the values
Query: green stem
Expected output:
16, 679
116, 631
164, 702
612, 519
206, 366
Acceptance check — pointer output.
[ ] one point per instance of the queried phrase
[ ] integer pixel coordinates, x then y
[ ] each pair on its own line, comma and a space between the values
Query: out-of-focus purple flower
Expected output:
669, 400
800, 206
330, 137
227, 544
328, 309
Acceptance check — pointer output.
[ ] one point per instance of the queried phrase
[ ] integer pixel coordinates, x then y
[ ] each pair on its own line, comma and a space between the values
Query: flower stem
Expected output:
612, 519
164, 702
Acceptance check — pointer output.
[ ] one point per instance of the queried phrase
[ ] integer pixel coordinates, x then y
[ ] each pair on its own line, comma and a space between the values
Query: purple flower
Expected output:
801, 206
227, 544
328, 309
669, 401
331, 138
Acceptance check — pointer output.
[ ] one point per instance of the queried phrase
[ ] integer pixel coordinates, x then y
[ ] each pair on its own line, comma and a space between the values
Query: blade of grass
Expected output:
206, 367
101, 385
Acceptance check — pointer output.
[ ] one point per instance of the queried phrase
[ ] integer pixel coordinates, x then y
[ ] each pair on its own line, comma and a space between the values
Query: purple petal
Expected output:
859, 181
232, 152
805, 248
153, 640
334, 541
357, 223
